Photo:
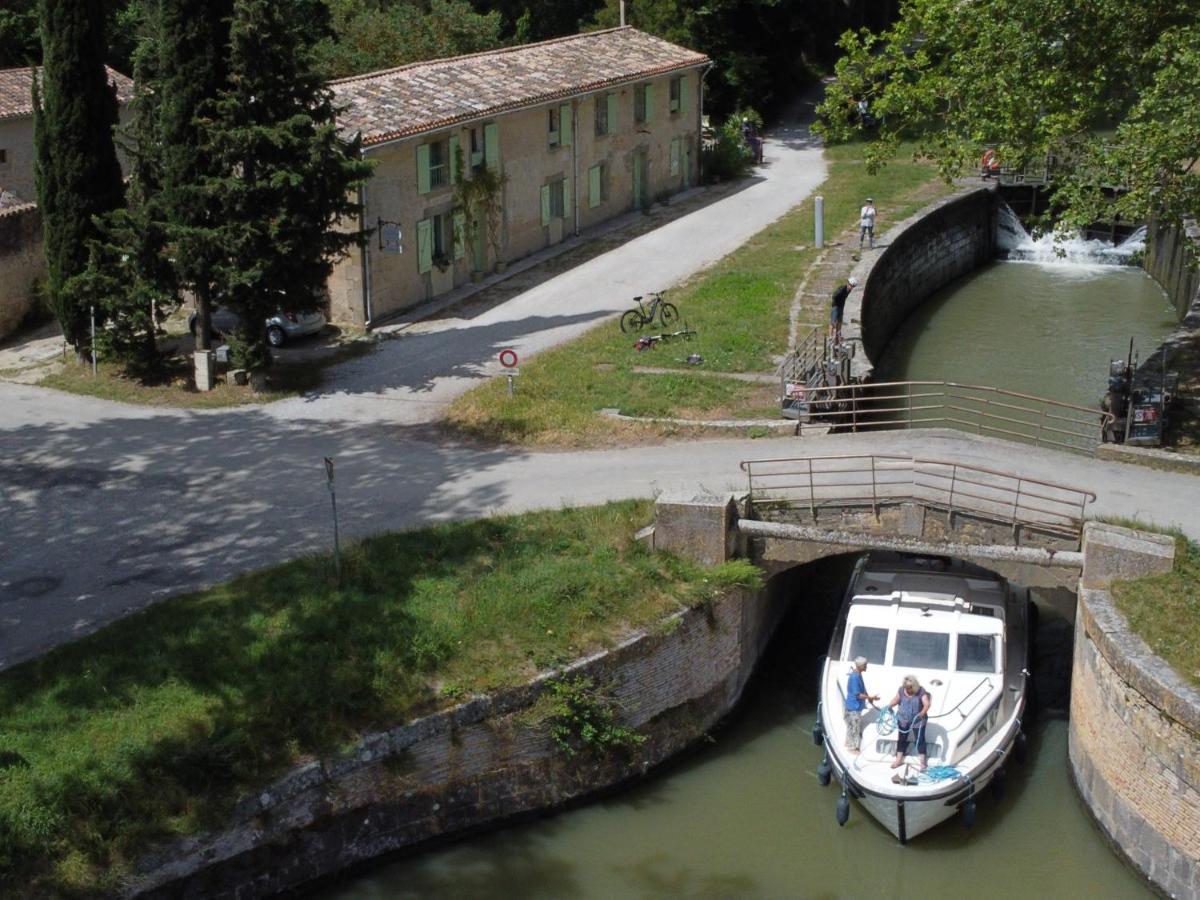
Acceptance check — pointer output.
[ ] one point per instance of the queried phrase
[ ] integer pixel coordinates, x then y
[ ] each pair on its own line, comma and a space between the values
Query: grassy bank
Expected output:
155, 725
739, 309
1165, 610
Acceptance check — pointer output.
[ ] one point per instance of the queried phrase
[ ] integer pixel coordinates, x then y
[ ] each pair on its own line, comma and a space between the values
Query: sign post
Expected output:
337, 550
508, 359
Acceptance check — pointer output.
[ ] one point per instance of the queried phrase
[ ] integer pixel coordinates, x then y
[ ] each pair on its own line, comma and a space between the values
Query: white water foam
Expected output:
1014, 243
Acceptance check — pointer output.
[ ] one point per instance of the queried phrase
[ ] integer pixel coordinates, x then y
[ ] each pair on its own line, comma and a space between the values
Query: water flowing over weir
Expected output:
1044, 319
1015, 244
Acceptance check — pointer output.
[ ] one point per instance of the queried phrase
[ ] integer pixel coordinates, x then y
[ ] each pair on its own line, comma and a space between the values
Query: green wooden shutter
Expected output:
545, 204
675, 156
568, 195
460, 234
491, 145
424, 245
683, 95
612, 113
594, 187
454, 173
423, 184
649, 102
565, 126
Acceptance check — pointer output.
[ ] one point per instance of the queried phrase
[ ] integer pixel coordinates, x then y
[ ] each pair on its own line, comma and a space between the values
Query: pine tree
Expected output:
78, 176
287, 177
192, 71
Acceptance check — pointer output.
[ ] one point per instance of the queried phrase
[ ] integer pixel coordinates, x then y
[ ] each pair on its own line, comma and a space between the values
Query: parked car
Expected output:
281, 327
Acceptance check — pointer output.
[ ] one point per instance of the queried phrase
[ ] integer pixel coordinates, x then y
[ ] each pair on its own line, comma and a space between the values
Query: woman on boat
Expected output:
912, 704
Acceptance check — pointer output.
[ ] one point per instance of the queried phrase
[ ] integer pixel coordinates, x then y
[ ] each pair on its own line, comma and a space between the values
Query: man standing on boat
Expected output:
857, 699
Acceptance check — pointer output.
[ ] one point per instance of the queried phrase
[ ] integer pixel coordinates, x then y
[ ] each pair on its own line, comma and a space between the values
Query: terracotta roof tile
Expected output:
16, 91
428, 95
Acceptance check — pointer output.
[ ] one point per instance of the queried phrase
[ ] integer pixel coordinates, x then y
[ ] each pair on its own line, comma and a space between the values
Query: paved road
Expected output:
105, 508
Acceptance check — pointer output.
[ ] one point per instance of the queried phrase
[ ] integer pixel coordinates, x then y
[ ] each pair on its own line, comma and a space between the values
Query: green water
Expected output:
1036, 329
744, 817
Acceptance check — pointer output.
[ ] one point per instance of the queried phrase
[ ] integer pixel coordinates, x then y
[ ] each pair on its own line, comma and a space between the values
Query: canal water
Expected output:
1046, 322
744, 817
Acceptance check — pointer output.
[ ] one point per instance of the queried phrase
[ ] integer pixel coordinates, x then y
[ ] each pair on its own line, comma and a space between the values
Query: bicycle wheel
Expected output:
668, 313
631, 320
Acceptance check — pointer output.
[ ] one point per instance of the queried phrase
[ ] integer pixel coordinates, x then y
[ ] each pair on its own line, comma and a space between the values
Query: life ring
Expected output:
989, 163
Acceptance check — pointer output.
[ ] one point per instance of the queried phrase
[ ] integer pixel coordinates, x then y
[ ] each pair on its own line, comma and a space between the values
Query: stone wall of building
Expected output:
21, 263
480, 764
923, 254
1135, 725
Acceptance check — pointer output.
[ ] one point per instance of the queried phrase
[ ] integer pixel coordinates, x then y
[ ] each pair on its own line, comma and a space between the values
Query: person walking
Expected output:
857, 699
838, 307
866, 223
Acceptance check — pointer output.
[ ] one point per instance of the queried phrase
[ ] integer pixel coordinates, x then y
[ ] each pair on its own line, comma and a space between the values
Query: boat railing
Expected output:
877, 480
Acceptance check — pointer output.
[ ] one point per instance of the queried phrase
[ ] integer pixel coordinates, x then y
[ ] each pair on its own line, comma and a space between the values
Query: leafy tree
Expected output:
284, 176
20, 44
537, 20
78, 176
1104, 90
367, 35
192, 69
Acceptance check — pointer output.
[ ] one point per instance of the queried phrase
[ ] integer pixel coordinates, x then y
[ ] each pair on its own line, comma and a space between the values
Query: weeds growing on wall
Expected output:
583, 718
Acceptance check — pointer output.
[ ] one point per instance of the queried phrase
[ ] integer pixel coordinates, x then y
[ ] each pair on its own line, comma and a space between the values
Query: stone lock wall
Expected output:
21, 263
1135, 724
1170, 259
479, 764
924, 254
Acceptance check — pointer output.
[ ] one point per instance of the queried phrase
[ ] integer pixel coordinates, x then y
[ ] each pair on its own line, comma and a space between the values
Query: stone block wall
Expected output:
1135, 729
21, 263
1170, 260
923, 254
479, 764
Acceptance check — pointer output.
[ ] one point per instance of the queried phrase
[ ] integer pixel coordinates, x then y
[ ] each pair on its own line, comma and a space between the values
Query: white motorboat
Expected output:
964, 633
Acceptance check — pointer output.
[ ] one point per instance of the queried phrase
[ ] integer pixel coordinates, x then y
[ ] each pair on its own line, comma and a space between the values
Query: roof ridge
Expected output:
497, 51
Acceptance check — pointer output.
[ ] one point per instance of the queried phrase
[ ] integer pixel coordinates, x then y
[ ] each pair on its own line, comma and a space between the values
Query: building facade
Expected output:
17, 151
487, 158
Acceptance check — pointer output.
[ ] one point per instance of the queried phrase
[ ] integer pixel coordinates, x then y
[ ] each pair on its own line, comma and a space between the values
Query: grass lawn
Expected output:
739, 308
1165, 610
155, 725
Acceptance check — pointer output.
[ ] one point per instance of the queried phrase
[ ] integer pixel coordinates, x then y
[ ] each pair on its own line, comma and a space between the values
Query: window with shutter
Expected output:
424, 245
639, 103
545, 204
676, 100
491, 145
596, 186
602, 114
455, 161
566, 125
423, 182
613, 115
552, 129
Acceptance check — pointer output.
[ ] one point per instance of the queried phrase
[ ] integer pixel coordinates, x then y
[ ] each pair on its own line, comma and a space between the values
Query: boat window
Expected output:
976, 653
921, 650
869, 642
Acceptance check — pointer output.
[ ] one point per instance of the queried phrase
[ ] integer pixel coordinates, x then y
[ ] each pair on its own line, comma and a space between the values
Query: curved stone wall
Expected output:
1135, 726
922, 254
479, 764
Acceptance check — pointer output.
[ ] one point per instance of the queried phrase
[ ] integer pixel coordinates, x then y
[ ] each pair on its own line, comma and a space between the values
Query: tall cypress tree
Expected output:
130, 275
78, 176
192, 71
286, 176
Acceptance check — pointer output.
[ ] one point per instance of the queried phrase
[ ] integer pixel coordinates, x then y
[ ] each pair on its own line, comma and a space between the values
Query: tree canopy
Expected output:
1105, 91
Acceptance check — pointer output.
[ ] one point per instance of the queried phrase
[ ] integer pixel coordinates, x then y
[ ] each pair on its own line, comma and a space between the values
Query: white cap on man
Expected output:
852, 281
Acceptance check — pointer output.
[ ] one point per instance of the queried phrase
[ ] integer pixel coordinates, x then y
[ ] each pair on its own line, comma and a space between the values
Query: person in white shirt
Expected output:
866, 222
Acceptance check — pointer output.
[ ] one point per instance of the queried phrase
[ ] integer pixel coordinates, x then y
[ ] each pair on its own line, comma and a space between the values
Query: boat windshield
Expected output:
921, 650
870, 643
976, 653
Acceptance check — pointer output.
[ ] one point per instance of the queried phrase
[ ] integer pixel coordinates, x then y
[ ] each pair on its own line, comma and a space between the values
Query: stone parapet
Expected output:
21, 263
480, 764
1111, 553
1135, 728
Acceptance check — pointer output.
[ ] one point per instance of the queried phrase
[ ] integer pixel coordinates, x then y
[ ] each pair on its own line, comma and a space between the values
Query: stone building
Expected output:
16, 127
486, 158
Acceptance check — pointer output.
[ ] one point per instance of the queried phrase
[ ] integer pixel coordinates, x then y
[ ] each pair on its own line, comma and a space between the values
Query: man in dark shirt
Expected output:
839, 306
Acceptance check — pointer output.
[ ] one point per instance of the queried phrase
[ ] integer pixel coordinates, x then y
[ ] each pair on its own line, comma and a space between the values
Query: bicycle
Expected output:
637, 319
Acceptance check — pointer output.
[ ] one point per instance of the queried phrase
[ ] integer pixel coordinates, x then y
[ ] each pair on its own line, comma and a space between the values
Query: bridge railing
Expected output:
970, 407
879, 479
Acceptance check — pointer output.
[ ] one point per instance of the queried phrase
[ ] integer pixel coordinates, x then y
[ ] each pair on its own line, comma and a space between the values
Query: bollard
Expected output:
819, 224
